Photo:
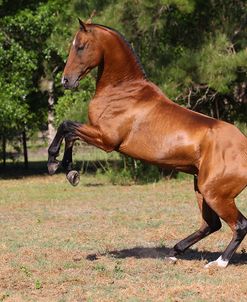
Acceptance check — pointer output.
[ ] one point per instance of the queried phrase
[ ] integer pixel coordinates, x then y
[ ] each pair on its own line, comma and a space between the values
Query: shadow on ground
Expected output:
39, 168
17, 170
163, 253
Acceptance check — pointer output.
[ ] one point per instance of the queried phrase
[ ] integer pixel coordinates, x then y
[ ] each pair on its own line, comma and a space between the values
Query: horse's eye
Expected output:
80, 47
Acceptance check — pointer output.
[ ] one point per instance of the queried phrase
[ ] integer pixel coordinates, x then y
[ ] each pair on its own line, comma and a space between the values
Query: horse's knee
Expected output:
69, 126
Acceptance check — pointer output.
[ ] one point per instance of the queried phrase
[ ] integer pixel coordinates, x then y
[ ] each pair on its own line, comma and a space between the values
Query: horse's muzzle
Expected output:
68, 83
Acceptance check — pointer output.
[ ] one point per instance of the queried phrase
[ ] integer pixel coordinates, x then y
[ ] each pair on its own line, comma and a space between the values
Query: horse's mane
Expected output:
137, 59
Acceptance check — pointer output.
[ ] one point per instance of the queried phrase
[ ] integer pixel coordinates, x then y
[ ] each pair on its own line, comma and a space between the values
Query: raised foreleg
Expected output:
64, 130
72, 131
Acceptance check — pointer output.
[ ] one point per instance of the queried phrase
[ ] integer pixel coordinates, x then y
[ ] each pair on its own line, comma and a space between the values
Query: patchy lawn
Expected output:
99, 242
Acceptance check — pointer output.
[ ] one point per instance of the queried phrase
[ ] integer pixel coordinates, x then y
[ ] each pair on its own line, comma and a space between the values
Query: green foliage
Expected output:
143, 172
13, 112
219, 64
22, 40
73, 105
17, 66
132, 170
119, 176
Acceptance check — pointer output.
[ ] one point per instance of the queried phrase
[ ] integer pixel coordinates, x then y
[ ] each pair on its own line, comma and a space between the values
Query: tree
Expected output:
24, 57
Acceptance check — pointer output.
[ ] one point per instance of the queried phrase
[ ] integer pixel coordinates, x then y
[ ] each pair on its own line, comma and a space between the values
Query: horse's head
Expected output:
85, 54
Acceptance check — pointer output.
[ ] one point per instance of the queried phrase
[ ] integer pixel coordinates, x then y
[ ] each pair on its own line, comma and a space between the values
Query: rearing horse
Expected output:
129, 114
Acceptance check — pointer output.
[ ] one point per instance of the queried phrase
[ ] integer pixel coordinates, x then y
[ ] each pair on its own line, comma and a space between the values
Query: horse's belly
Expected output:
182, 158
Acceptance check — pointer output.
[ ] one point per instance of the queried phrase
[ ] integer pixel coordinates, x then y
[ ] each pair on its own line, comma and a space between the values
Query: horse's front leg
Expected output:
73, 131
73, 176
90, 135
63, 130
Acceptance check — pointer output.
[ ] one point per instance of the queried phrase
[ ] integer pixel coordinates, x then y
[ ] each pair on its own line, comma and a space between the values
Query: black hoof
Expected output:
53, 166
73, 177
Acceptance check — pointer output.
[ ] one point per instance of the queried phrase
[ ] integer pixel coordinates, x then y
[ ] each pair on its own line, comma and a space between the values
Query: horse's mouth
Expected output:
68, 85
76, 84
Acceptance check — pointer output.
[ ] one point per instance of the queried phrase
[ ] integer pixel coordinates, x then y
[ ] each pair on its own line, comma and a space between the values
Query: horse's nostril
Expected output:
64, 80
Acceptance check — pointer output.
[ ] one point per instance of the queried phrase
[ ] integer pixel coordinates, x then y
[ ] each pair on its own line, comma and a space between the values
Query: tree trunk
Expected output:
51, 129
24, 142
4, 150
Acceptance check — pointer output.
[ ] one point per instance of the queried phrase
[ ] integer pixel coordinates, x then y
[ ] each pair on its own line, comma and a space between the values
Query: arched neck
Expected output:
119, 63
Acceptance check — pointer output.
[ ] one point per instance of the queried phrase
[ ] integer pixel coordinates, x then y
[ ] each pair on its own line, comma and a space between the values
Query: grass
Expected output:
99, 242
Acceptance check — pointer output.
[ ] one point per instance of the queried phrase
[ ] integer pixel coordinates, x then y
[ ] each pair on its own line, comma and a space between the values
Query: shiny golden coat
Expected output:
131, 115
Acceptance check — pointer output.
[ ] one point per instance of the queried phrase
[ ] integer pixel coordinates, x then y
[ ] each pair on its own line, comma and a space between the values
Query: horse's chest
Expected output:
109, 120
110, 114
98, 111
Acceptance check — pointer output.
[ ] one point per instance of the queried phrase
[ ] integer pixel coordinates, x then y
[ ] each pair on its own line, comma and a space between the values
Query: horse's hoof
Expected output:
73, 177
53, 166
217, 263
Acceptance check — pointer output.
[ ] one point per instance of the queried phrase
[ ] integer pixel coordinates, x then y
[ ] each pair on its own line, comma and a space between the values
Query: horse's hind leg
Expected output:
228, 211
210, 224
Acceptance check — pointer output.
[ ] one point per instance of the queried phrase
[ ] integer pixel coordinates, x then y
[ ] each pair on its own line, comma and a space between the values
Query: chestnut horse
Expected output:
130, 114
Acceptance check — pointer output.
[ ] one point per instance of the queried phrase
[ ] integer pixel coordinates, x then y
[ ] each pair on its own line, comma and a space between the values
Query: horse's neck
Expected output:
120, 100
119, 64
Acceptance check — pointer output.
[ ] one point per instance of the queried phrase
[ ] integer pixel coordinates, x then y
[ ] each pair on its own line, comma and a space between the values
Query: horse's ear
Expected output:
82, 25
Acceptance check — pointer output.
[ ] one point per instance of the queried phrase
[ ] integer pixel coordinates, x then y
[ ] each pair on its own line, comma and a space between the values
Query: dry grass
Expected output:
99, 242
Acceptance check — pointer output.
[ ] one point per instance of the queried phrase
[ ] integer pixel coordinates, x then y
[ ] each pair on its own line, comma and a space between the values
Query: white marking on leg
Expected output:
173, 258
219, 262
74, 41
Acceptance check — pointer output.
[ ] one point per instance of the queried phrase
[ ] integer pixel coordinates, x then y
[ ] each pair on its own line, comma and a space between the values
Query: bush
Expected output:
132, 171
73, 105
